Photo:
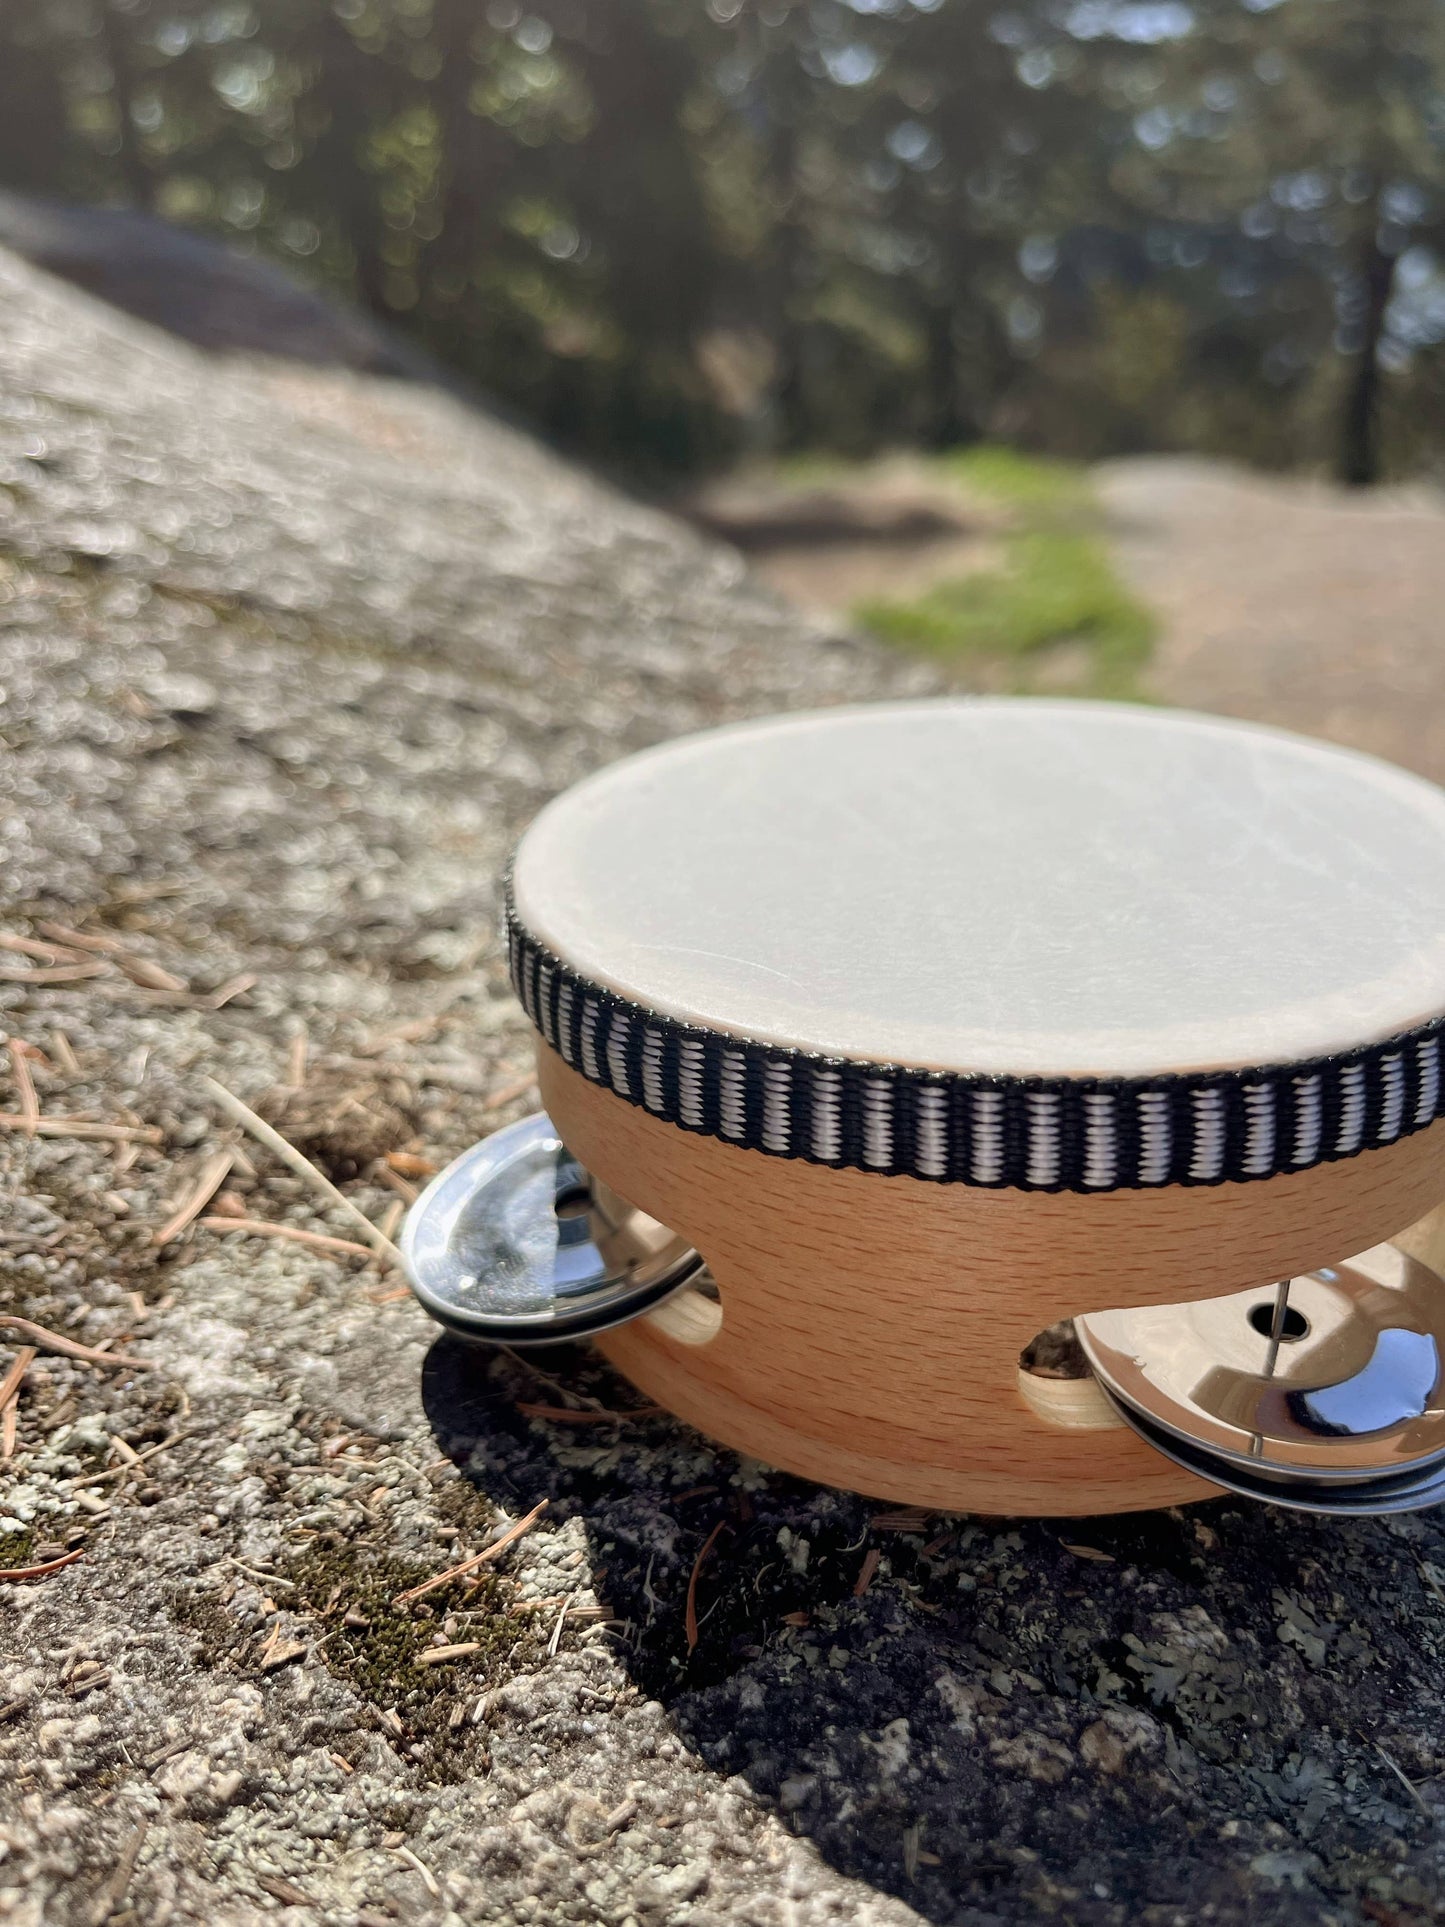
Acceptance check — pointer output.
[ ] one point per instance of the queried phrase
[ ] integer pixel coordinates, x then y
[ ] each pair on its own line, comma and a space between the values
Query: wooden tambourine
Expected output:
876, 1042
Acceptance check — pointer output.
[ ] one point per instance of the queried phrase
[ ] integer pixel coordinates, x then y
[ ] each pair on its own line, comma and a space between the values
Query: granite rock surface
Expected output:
287, 659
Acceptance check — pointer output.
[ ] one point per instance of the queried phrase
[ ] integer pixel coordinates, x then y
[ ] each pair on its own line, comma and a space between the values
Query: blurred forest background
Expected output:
675, 232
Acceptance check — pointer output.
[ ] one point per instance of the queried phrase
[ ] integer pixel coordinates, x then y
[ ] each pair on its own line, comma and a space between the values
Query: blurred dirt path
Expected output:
1291, 601
886, 528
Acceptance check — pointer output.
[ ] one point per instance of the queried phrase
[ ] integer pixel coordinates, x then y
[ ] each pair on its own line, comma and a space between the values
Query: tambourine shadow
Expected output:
978, 1716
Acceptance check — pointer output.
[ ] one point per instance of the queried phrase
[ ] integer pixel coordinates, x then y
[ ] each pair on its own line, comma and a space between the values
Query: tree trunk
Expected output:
949, 424
355, 90
1360, 428
139, 180
475, 156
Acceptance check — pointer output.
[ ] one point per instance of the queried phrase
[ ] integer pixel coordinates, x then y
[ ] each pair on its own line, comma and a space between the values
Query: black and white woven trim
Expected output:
1028, 1133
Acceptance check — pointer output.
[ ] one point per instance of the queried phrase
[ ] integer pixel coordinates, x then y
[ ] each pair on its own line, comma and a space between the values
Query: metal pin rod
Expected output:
1276, 1325
1271, 1357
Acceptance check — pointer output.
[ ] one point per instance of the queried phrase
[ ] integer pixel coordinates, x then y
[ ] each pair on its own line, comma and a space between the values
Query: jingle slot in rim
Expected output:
497, 1249
1326, 1393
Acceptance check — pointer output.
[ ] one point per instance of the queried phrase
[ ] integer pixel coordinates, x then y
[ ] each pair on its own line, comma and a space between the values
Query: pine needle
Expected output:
509, 1537
690, 1615
213, 1174
303, 1167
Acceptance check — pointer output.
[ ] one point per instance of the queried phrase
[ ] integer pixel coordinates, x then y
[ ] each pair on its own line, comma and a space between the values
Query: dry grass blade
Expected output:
390, 1223
232, 987
286, 1891
303, 1167
428, 1878
150, 976
11, 1573
48, 974
437, 1655
49, 1341
409, 1164
1406, 1782
408, 1193
282, 1654
20, 1070
411, 1033
10, 1384
508, 1092
70, 939
64, 1052
555, 1641
123, 1471
485, 1557
24, 1084
264, 1228
690, 1613
212, 1175
139, 969
871, 1561
531, 1366
114, 1891
49, 953
81, 1127
296, 1061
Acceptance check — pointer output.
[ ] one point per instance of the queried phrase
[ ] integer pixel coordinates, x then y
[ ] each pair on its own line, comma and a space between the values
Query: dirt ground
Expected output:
1285, 601
892, 531
1295, 603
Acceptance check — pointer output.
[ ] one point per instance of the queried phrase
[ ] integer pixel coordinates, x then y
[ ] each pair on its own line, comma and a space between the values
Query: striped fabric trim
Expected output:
1025, 1133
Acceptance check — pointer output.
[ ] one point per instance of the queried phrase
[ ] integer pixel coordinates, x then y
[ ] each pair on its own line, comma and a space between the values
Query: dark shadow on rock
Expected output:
820, 518
1142, 1718
197, 289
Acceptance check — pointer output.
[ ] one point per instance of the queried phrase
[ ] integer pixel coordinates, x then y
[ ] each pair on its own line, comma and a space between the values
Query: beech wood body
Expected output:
872, 1325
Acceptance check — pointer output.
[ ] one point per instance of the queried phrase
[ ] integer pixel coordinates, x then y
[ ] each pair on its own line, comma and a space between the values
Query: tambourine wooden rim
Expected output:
1028, 1133
1140, 961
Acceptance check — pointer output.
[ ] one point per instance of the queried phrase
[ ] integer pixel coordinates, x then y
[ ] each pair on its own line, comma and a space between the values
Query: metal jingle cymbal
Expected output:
514, 1243
1335, 1377
1409, 1491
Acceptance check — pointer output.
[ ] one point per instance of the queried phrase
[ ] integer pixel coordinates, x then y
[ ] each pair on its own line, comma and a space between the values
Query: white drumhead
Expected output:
1004, 887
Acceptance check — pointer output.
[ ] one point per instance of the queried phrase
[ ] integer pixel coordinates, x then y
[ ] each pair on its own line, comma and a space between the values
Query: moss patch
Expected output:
1055, 585
380, 1657
364, 1637
1008, 476
16, 1549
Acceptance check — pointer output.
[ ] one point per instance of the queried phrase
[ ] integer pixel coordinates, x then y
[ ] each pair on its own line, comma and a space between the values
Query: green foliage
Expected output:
1054, 585
1008, 475
670, 233
1053, 588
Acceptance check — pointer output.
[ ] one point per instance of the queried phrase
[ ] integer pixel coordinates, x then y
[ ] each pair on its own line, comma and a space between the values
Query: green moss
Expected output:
380, 1657
1052, 588
1054, 585
16, 1548
1009, 476
218, 1636
378, 1652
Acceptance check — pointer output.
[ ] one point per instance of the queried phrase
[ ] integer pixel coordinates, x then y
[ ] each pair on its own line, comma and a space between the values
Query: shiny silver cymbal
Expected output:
1409, 1491
1326, 1393
514, 1243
